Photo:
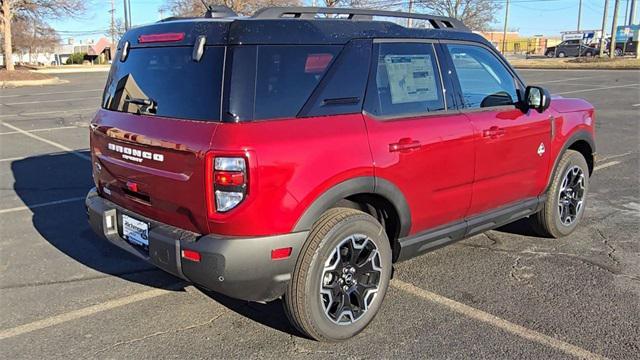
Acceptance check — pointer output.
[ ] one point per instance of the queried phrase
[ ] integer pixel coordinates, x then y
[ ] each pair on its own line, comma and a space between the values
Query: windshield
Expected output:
166, 81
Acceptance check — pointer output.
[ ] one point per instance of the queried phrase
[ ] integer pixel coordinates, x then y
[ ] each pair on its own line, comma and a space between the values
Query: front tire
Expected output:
564, 206
561, 54
341, 276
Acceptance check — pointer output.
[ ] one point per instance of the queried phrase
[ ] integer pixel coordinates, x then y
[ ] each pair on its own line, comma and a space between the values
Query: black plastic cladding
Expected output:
248, 31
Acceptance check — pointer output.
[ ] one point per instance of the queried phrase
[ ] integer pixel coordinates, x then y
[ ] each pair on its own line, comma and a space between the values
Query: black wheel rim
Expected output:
350, 279
571, 195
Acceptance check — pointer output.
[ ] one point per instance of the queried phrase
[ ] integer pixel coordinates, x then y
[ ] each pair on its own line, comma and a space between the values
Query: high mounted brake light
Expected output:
165, 37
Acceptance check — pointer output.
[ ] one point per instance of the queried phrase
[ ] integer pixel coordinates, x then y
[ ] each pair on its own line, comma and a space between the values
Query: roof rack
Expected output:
295, 12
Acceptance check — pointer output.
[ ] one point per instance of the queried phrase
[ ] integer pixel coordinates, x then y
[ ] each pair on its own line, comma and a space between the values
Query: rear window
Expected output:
166, 81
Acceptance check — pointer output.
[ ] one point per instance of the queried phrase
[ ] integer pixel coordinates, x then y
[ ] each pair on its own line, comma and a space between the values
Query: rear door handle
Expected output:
493, 132
404, 145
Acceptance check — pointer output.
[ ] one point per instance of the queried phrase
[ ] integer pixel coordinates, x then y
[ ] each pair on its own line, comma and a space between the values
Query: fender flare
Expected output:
359, 185
578, 135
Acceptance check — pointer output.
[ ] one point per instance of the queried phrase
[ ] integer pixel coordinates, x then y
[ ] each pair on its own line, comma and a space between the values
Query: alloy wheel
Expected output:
571, 195
350, 279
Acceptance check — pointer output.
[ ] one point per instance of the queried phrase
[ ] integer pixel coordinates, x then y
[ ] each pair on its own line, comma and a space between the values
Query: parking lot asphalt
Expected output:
504, 294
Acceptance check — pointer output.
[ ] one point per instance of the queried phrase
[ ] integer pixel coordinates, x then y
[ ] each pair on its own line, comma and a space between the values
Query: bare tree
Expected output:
242, 7
33, 36
476, 14
34, 9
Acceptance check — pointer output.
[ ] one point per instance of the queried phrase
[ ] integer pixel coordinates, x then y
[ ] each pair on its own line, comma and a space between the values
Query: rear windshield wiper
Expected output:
145, 106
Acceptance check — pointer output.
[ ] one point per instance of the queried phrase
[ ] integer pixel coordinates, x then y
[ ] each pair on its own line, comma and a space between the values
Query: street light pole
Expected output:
579, 14
126, 16
604, 24
612, 43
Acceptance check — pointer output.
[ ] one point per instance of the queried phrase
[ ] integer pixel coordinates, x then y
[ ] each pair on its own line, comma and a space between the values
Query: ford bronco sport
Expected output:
301, 152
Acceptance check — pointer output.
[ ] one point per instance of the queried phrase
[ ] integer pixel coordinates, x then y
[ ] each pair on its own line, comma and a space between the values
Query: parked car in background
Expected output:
572, 48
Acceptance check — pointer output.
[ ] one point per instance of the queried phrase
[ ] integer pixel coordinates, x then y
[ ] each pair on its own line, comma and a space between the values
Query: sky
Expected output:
529, 17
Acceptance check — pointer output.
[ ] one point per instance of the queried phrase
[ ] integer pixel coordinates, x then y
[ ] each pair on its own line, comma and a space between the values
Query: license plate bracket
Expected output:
135, 231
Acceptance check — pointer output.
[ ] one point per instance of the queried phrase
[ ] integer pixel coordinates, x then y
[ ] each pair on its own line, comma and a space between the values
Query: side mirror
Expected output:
537, 98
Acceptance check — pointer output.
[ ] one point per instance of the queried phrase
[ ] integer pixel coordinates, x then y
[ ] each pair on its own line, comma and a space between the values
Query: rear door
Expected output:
511, 158
418, 140
159, 112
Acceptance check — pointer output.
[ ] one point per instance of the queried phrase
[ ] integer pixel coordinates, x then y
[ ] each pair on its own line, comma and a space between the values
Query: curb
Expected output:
20, 83
574, 68
73, 70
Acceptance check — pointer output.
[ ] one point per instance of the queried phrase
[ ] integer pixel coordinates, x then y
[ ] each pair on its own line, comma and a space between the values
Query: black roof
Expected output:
300, 25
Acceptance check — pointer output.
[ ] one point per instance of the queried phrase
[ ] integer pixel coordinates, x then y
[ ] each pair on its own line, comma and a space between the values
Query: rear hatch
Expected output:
160, 109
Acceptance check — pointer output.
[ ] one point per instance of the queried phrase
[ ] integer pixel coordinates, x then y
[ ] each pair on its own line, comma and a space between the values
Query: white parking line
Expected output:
561, 80
48, 112
52, 143
13, 159
495, 321
49, 93
80, 313
57, 202
606, 165
39, 130
595, 89
51, 101
635, 105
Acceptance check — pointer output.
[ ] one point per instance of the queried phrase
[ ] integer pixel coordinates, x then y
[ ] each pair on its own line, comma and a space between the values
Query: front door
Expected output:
511, 146
418, 140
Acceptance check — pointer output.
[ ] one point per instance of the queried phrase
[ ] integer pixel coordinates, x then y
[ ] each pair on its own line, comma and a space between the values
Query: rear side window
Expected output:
407, 81
166, 81
287, 75
484, 80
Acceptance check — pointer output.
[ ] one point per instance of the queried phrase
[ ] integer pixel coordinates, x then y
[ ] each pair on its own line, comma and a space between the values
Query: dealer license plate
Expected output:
135, 231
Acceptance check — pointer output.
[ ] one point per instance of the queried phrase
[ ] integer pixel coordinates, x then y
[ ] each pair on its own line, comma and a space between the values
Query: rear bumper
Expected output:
241, 268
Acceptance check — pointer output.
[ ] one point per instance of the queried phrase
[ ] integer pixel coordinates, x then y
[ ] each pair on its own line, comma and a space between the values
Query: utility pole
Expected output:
409, 20
632, 12
604, 24
612, 43
126, 16
129, 8
504, 31
112, 30
579, 14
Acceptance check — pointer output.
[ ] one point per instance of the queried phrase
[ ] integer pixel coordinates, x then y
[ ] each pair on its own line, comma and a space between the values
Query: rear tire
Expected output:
341, 276
564, 206
561, 54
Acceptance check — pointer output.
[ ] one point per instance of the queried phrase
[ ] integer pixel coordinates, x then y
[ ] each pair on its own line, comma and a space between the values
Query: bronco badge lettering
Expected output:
135, 154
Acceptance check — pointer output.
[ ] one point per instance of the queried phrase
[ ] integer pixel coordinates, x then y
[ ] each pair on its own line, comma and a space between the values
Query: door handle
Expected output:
493, 132
404, 145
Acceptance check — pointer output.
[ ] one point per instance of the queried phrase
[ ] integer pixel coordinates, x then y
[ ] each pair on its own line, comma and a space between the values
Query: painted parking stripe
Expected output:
52, 101
80, 313
39, 130
52, 143
495, 321
57, 202
48, 112
596, 89
635, 105
606, 165
49, 93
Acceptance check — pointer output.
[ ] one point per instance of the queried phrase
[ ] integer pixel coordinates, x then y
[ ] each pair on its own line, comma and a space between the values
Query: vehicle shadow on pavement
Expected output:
61, 176
64, 176
269, 314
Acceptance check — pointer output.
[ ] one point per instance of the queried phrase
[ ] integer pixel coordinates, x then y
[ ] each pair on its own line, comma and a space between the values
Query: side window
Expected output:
287, 75
484, 80
407, 80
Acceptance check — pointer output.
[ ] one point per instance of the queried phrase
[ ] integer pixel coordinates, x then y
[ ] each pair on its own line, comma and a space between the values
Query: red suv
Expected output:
300, 152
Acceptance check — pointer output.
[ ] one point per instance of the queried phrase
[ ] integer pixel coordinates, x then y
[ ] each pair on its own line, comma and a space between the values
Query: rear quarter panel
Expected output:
291, 163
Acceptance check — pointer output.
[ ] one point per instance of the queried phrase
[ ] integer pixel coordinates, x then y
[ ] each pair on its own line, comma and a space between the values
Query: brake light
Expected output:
165, 37
191, 255
226, 181
282, 253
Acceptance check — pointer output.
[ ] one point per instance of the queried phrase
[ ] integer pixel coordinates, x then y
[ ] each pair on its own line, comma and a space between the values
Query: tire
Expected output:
549, 222
310, 305
561, 54
550, 54
617, 52
588, 54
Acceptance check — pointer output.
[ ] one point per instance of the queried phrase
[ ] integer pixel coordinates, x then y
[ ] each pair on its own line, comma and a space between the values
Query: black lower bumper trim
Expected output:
241, 268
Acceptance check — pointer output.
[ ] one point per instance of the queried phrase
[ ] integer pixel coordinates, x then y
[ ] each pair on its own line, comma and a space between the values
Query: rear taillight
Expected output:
226, 183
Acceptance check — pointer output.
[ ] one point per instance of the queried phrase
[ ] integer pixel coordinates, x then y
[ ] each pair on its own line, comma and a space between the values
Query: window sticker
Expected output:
411, 78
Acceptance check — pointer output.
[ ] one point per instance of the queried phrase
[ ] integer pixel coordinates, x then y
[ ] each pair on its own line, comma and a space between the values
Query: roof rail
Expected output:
295, 12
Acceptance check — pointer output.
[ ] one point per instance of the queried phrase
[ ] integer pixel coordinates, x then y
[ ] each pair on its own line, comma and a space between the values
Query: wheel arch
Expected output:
375, 196
581, 141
